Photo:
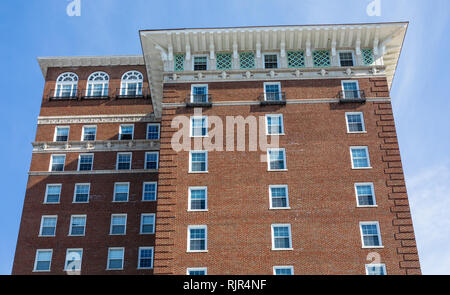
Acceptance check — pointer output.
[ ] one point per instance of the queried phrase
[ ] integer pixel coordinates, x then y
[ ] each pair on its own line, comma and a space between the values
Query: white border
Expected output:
111, 224
42, 223
205, 227
373, 194
120, 131
205, 269
75, 193
284, 159
117, 160
361, 223
279, 90
273, 236
56, 130
285, 186
139, 257
46, 193
88, 126
71, 224
283, 267
267, 124
205, 188
143, 190
159, 130
92, 164
157, 160
81, 259
36, 261
198, 85
361, 114
368, 157
51, 162
190, 162
382, 265
123, 257
191, 125
114, 194
142, 223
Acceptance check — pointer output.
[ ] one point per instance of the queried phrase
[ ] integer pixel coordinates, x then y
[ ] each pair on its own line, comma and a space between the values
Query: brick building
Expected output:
109, 194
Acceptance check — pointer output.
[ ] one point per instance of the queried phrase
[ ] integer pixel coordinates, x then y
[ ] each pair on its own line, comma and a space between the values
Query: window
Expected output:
43, 260
145, 258
66, 85
52, 193
178, 62
152, 131
197, 238
296, 59
281, 237
151, 160
197, 271
61, 134
360, 157
283, 270
200, 63
270, 61
89, 133
370, 234
77, 225
279, 197
198, 199
276, 159
321, 58
85, 162
224, 61
126, 132
97, 85
274, 125
81, 194
247, 60
149, 191
57, 162
123, 161
346, 59
350, 89
131, 84
73, 259
48, 226
118, 224
355, 122
199, 126
147, 223
115, 258
376, 269
198, 161
365, 196
121, 192
199, 93
367, 56
272, 91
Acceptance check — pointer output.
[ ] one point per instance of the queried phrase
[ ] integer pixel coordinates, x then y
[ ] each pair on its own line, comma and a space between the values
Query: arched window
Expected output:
66, 85
97, 84
131, 84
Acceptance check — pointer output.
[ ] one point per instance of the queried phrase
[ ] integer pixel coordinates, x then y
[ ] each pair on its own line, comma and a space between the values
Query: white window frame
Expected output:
350, 81
71, 224
36, 260
346, 51
373, 194
105, 84
159, 130
56, 131
189, 269
200, 55
128, 192
206, 161
279, 90
199, 85
285, 186
368, 157
361, 114
156, 190
66, 260
124, 153
123, 257
284, 159
157, 160
88, 126
111, 224
75, 193
361, 223
205, 188
120, 131
272, 226
124, 83
142, 223
283, 267
139, 257
205, 227
46, 193
42, 223
191, 132
79, 159
51, 162
267, 124
382, 265
73, 84
264, 60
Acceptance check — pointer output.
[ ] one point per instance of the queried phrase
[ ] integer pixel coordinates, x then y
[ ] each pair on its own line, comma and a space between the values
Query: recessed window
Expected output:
97, 85
61, 134
365, 195
360, 157
296, 59
350, 89
66, 85
199, 93
123, 161
147, 223
200, 63
81, 194
73, 259
346, 59
126, 132
151, 160
145, 258
57, 162
85, 162
272, 91
370, 234
355, 122
274, 125
198, 161
115, 258
121, 192
246, 60
52, 193
48, 226
321, 58
77, 225
149, 191
199, 126
270, 61
198, 199
278, 197
283, 270
376, 269
43, 260
89, 133
281, 237
118, 224
276, 159
197, 238
367, 56
153, 131
131, 84
178, 64
224, 61
197, 271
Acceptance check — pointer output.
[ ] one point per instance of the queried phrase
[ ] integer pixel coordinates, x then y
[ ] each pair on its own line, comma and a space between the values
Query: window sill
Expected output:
280, 208
41, 270
198, 172
118, 234
80, 202
40, 236
145, 234
196, 251
369, 206
278, 170
278, 134
202, 210
120, 201
148, 200
76, 235
358, 132
144, 268
362, 168
44, 203
372, 247
114, 269
284, 249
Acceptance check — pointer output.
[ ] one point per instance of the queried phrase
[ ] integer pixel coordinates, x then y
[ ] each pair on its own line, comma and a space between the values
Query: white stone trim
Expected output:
74, 172
96, 146
96, 119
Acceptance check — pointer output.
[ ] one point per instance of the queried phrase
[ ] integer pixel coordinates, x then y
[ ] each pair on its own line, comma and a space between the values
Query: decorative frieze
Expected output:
95, 146
95, 119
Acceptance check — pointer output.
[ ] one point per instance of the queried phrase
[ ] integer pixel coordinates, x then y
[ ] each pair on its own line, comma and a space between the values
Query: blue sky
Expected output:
31, 28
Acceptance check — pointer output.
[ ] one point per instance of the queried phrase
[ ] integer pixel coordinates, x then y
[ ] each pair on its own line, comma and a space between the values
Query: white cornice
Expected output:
95, 119
134, 171
95, 146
